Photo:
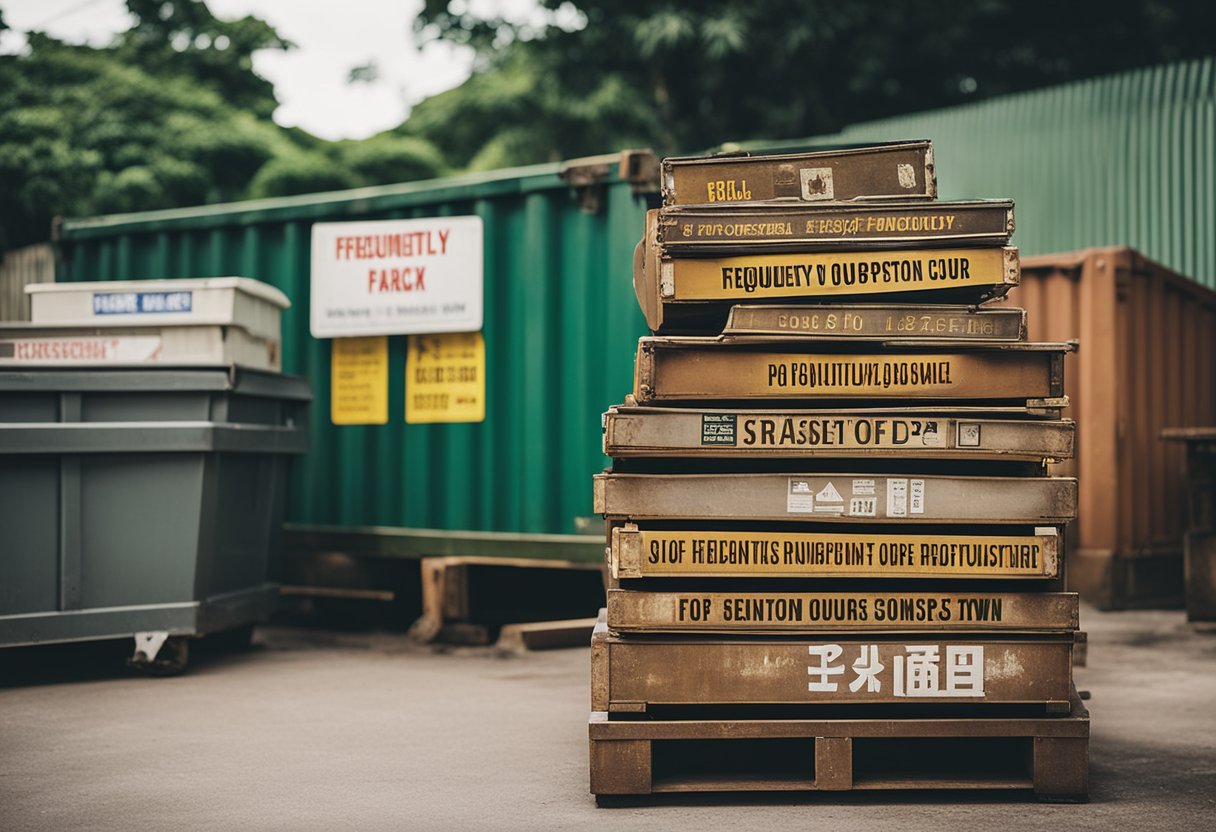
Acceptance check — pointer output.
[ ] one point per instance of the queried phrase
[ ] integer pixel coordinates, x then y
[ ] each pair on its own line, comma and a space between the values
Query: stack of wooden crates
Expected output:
836, 559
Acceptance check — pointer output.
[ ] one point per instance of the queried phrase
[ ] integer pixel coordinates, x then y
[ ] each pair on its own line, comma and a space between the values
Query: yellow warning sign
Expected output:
445, 378
359, 387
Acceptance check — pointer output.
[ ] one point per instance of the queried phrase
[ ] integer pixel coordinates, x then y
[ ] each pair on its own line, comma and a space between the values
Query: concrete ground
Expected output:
318, 730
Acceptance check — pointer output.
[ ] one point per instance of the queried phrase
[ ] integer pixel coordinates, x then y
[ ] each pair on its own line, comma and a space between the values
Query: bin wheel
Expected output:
172, 658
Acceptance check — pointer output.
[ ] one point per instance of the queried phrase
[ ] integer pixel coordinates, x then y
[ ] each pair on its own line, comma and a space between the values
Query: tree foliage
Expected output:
170, 114
680, 75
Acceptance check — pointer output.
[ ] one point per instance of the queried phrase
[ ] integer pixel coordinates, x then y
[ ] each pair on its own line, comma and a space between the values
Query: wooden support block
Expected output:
1061, 769
546, 635
833, 763
620, 766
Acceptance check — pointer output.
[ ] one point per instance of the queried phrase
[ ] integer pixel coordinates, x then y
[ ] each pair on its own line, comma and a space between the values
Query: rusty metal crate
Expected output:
842, 226
632, 432
1002, 554
688, 675
838, 498
705, 370
874, 322
1048, 755
631, 611
900, 170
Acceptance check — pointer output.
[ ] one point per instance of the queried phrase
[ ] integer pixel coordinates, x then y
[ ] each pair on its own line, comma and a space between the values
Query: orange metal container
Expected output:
1146, 361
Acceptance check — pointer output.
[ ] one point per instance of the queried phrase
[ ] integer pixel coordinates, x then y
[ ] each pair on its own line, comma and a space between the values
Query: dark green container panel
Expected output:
561, 324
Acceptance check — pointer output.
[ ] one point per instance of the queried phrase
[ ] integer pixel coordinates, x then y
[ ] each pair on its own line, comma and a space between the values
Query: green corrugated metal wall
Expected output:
561, 325
1128, 159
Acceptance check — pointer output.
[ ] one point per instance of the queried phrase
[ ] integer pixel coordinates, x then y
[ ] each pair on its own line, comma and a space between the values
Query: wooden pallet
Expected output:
1049, 755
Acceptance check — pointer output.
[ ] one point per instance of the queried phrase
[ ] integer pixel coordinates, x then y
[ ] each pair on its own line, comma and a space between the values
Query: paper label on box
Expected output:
897, 498
799, 497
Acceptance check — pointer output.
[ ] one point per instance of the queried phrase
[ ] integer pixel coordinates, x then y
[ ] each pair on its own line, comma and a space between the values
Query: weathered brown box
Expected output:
706, 369
894, 433
900, 170
840, 226
634, 675
844, 612
1002, 554
694, 294
857, 498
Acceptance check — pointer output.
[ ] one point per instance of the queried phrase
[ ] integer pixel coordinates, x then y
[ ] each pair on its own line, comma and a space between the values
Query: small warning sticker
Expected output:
897, 498
718, 429
968, 435
799, 498
931, 437
916, 496
863, 488
829, 494
863, 506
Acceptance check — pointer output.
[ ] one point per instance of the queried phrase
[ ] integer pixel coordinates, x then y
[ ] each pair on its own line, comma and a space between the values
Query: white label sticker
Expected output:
817, 184
907, 176
897, 498
799, 498
397, 277
863, 488
931, 437
916, 497
122, 349
968, 435
863, 506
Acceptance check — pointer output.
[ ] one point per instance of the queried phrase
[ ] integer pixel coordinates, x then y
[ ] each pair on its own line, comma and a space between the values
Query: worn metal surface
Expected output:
633, 674
652, 553
1147, 361
680, 432
846, 498
779, 612
704, 369
559, 318
877, 322
1048, 754
834, 226
902, 170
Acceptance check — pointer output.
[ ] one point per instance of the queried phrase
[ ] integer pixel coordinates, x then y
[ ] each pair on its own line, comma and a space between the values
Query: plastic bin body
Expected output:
141, 500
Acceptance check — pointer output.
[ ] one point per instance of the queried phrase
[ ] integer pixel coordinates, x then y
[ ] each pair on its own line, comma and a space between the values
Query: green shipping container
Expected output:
1127, 159
561, 326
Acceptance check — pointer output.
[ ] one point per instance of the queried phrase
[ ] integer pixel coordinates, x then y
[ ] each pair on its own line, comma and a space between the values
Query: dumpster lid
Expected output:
248, 285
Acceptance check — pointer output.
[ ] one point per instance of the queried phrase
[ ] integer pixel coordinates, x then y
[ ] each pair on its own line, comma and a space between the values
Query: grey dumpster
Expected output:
142, 502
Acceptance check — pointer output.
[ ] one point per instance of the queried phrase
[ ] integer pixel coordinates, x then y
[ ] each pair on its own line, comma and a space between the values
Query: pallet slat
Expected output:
1049, 755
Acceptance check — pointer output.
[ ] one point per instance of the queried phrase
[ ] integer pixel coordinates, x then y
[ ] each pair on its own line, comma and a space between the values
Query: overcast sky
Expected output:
331, 37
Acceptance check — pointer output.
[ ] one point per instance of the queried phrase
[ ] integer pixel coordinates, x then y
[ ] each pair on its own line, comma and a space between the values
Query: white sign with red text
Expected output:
397, 277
